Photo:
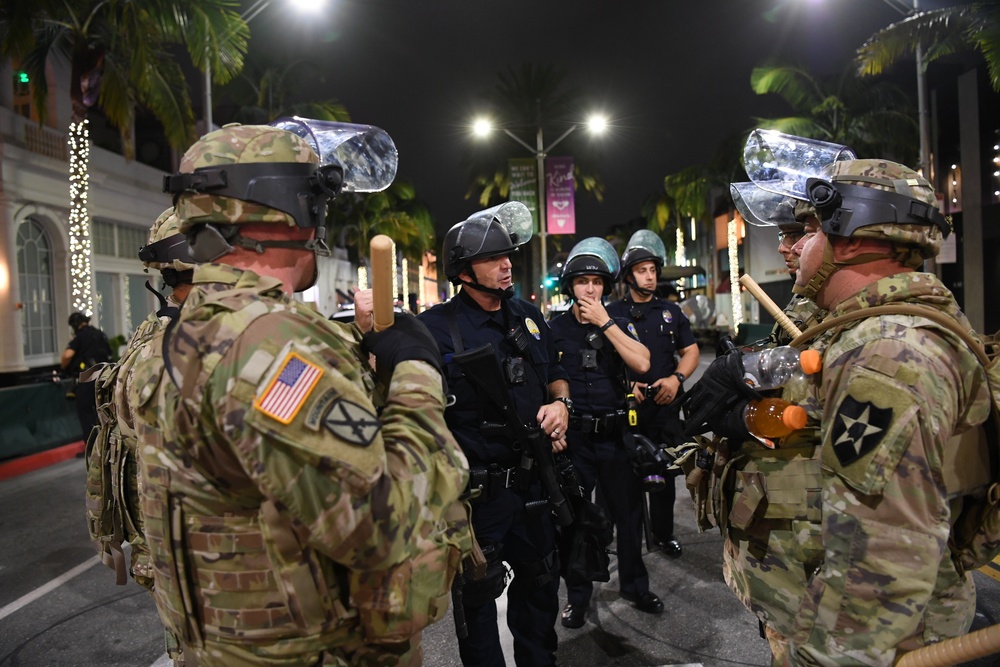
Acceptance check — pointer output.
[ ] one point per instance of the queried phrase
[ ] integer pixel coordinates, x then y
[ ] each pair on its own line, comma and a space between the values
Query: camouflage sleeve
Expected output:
890, 410
360, 485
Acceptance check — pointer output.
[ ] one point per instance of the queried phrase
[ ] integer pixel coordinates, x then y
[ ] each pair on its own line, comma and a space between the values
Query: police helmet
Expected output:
489, 233
644, 246
880, 199
590, 257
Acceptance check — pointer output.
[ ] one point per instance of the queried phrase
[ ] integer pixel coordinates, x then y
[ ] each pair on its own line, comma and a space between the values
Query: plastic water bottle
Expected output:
773, 418
776, 366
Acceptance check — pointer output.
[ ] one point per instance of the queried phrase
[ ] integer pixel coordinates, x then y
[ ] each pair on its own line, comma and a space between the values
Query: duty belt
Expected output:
486, 484
587, 423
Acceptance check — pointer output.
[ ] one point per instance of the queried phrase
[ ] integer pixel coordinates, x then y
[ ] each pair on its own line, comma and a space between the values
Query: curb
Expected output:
27, 464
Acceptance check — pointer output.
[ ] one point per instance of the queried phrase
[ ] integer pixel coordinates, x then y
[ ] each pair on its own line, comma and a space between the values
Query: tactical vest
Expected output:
228, 566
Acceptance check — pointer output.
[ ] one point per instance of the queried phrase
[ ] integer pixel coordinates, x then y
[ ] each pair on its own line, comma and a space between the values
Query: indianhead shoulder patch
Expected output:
858, 428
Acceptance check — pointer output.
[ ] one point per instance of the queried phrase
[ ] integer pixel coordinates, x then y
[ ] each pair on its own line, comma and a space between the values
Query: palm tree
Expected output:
523, 100
941, 32
119, 59
270, 91
355, 217
874, 118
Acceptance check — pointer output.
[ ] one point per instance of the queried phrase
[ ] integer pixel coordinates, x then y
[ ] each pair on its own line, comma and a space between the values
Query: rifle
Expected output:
481, 367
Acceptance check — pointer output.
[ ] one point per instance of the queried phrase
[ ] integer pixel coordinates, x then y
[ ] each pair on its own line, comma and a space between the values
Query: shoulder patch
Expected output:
352, 423
532, 328
858, 428
290, 388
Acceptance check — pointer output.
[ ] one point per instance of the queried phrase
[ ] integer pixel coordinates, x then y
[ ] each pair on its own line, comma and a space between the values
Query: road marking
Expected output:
47, 588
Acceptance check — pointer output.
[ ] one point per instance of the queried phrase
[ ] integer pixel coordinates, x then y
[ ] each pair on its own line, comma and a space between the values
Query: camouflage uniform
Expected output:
288, 522
894, 389
803, 313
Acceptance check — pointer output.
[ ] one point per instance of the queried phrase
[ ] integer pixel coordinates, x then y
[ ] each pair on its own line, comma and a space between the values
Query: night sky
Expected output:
673, 76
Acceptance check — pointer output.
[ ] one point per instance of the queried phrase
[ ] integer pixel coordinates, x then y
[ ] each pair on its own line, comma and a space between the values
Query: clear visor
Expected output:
599, 248
782, 163
366, 153
513, 215
762, 207
648, 240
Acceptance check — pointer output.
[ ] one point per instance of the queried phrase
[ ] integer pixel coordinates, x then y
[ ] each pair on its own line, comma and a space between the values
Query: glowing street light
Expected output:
595, 124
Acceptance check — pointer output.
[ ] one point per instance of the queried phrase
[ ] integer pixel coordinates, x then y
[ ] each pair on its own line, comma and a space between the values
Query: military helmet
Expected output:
590, 257
644, 246
879, 199
496, 231
246, 174
167, 247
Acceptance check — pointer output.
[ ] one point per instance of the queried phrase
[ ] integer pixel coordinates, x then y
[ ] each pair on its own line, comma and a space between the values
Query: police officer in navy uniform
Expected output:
666, 331
476, 255
88, 347
595, 349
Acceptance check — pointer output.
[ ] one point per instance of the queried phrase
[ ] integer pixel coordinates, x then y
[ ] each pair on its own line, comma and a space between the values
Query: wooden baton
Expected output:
770, 306
382, 252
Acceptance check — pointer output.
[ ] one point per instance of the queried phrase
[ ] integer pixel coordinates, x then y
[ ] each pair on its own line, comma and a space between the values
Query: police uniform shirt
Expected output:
478, 327
595, 391
662, 327
90, 346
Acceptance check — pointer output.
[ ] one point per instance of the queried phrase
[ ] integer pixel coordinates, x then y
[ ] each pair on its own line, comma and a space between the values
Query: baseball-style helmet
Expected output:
644, 246
495, 231
883, 200
590, 257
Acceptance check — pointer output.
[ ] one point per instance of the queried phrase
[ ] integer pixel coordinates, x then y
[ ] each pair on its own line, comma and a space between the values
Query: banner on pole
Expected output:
524, 185
560, 210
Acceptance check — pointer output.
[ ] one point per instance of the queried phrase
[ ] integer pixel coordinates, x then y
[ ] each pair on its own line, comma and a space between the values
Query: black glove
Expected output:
732, 425
720, 388
407, 339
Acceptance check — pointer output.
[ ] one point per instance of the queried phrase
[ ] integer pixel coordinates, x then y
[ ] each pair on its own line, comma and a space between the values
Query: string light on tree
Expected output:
79, 217
405, 271
734, 273
679, 256
362, 277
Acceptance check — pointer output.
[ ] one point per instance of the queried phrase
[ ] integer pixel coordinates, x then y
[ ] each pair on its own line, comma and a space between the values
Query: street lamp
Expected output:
596, 124
305, 6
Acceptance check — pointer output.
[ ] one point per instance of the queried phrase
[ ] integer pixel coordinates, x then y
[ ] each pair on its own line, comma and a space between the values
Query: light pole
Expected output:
247, 16
596, 124
925, 167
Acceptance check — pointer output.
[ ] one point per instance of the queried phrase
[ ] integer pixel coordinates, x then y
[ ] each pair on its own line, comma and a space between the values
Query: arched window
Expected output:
34, 269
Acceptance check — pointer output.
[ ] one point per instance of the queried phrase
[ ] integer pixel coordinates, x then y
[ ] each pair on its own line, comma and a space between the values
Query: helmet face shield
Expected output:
782, 163
366, 153
762, 208
590, 257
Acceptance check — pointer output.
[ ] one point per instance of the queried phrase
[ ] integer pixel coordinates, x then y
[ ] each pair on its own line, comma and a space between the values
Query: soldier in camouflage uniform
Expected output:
167, 252
290, 522
854, 566
801, 311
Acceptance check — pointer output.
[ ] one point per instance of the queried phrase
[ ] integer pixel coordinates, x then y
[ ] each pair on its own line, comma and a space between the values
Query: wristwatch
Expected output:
568, 402
680, 376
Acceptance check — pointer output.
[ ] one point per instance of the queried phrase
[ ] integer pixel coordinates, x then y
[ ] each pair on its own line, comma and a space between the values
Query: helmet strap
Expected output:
502, 294
630, 282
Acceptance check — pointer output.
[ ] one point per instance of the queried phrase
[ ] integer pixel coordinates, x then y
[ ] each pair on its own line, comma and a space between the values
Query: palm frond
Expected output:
935, 30
793, 84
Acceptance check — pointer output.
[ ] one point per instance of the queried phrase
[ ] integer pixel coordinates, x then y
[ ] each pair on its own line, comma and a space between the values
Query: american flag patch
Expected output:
290, 389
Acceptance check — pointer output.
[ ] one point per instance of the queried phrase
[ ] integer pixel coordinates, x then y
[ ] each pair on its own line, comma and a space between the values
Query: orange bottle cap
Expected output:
811, 361
794, 417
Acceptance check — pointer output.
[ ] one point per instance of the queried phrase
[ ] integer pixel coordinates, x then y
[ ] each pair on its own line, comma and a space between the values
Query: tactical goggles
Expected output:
300, 189
166, 250
844, 208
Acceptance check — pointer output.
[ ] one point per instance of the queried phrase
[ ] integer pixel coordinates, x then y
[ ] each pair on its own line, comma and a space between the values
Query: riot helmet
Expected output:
167, 250
592, 256
249, 174
643, 246
493, 232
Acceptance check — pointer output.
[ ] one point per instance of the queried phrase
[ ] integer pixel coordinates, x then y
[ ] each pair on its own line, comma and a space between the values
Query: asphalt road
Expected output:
60, 607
